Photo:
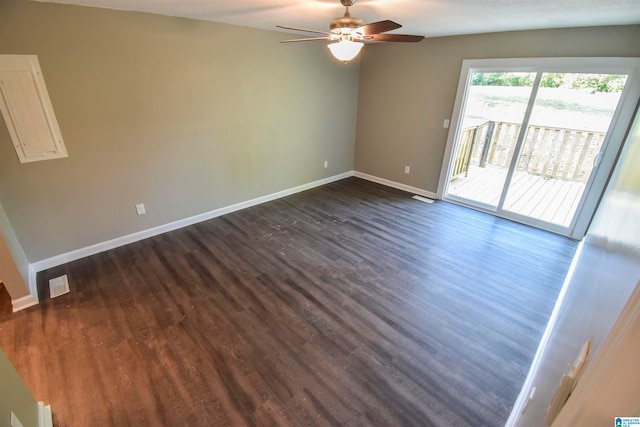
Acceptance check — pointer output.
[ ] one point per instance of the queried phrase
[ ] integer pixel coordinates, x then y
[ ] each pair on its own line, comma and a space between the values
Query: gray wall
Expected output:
189, 116
185, 116
14, 396
407, 90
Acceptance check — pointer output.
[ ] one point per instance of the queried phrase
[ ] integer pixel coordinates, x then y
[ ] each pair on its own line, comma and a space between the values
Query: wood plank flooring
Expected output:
349, 304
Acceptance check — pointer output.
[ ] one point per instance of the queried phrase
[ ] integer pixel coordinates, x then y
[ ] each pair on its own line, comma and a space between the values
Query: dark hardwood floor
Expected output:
349, 304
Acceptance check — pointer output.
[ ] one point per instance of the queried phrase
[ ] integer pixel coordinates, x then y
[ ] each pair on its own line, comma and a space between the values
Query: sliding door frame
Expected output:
611, 145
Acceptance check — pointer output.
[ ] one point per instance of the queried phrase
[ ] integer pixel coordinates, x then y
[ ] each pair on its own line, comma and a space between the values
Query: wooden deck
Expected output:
546, 199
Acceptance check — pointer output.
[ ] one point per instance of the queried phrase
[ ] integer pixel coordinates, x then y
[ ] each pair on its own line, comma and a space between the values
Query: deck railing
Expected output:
560, 153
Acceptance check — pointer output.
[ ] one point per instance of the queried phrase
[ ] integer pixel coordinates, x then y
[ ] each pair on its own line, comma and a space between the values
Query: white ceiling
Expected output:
429, 18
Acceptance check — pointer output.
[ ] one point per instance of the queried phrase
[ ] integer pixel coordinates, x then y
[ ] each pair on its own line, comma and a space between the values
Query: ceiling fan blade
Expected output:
302, 29
377, 27
306, 39
393, 38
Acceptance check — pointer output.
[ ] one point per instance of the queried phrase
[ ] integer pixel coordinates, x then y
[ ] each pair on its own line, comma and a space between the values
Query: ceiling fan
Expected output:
348, 34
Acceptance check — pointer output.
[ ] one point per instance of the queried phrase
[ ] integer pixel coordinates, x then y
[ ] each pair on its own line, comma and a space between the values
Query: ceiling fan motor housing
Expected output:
344, 24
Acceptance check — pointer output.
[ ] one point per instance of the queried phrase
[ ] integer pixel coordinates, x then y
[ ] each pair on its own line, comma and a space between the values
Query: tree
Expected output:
552, 80
593, 82
502, 79
600, 82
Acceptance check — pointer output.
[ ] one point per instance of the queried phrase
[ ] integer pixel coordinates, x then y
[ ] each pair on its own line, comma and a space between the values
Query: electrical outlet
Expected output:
140, 209
326, 164
445, 124
407, 169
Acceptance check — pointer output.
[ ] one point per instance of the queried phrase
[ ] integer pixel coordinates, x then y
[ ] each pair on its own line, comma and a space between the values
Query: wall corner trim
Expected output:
45, 417
398, 185
23, 302
33, 284
144, 234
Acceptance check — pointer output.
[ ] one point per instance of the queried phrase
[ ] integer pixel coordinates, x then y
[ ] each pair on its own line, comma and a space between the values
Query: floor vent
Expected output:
58, 286
423, 199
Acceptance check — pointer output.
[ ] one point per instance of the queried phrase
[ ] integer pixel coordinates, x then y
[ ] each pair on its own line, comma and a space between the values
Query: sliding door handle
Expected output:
597, 159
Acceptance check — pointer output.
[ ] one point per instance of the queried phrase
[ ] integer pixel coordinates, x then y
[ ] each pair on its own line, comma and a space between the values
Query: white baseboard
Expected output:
144, 234
399, 186
23, 302
45, 417
33, 285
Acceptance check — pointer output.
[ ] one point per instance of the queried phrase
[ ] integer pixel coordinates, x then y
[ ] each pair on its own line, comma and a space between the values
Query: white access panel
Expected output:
27, 110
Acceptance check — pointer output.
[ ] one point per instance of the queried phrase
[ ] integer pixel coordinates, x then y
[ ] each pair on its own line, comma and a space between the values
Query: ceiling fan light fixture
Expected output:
348, 34
345, 50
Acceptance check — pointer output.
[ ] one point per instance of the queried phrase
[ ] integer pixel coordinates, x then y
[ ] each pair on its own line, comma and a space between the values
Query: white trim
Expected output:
23, 302
399, 186
64, 258
45, 418
33, 284
525, 391
454, 126
144, 234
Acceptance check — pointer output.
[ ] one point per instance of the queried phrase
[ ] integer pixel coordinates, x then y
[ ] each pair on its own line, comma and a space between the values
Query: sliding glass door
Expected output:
569, 120
529, 139
496, 104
